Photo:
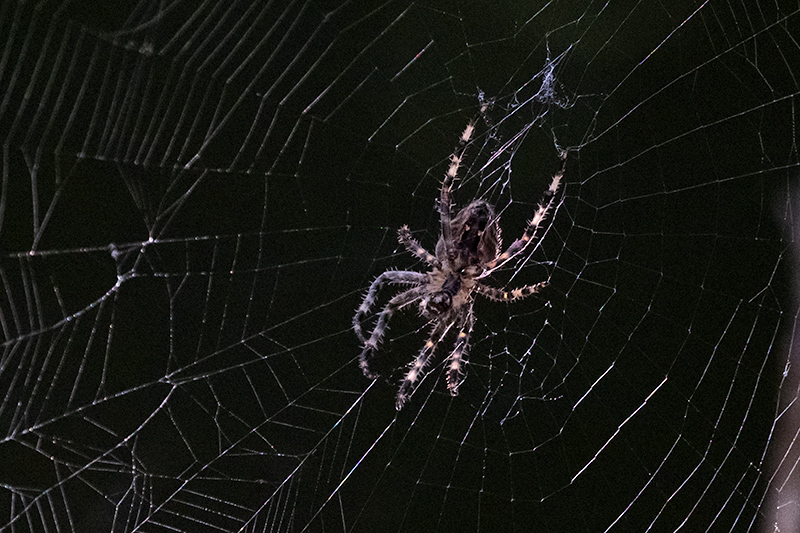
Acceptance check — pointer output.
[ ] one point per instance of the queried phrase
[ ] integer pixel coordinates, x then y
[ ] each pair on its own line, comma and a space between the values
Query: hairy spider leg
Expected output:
455, 375
400, 300
499, 295
413, 246
445, 200
418, 366
533, 224
391, 276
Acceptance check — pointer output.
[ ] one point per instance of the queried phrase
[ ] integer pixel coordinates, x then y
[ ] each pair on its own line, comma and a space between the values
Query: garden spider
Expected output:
468, 250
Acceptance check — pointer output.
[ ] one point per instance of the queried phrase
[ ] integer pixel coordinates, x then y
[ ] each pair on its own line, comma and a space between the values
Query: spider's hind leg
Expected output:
529, 235
499, 295
413, 246
445, 192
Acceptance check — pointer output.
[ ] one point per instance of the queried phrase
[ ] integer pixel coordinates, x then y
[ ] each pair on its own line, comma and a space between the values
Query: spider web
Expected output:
195, 196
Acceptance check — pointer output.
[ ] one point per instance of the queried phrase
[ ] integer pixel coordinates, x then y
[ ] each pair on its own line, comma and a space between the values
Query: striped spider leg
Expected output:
529, 235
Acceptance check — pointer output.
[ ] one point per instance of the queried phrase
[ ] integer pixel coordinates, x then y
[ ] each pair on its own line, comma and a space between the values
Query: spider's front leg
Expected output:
371, 344
420, 363
455, 373
391, 276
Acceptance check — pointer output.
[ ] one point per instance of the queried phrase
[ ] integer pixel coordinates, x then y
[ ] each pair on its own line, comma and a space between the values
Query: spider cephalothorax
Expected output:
468, 250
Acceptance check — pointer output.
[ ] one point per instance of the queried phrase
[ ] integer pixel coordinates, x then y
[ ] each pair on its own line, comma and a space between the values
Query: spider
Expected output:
468, 250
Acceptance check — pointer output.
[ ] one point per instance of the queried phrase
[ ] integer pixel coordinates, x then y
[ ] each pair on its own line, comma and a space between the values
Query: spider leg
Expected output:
509, 296
533, 224
404, 298
413, 246
418, 366
445, 201
390, 276
455, 375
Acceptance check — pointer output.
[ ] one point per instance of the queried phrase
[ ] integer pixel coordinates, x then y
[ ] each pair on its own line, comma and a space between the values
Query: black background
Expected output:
195, 197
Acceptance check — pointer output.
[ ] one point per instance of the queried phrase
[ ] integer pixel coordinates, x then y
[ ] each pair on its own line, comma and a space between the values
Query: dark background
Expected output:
195, 197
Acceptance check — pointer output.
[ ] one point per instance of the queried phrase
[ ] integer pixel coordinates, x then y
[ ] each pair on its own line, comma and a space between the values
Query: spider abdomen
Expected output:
476, 235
